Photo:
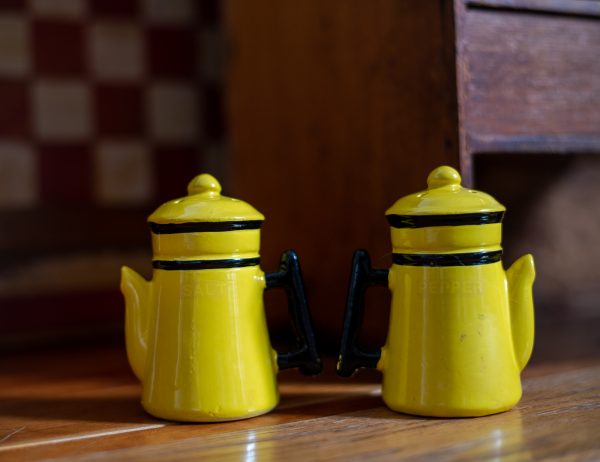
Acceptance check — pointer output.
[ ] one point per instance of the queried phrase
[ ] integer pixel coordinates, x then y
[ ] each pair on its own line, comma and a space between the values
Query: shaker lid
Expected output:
444, 196
204, 203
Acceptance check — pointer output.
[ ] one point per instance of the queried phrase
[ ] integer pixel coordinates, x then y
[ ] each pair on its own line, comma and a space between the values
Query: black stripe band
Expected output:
451, 259
424, 221
204, 226
204, 264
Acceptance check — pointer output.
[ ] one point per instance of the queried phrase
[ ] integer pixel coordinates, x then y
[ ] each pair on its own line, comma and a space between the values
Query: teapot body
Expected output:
196, 334
209, 357
449, 348
461, 327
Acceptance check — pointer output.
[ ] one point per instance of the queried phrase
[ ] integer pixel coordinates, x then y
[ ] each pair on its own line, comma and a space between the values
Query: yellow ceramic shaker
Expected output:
196, 333
461, 327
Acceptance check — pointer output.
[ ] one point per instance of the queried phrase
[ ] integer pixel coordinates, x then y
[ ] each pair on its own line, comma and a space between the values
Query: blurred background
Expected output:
321, 115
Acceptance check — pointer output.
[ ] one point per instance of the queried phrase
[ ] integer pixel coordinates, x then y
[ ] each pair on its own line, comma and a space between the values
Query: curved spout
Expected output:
520, 277
136, 291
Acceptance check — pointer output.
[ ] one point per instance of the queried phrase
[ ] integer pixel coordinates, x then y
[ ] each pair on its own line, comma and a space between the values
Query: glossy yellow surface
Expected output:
210, 245
457, 342
459, 336
198, 342
198, 339
447, 239
204, 202
445, 196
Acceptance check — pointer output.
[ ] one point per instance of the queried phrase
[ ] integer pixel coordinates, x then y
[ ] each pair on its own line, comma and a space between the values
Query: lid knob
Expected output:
204, 184
443, 176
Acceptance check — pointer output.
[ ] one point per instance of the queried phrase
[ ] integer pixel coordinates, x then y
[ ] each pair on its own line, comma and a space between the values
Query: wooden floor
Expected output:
84, 406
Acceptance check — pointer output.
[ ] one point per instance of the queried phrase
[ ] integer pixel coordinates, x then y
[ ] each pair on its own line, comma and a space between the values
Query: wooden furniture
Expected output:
83, 405
528, 77
528, 74
337, 108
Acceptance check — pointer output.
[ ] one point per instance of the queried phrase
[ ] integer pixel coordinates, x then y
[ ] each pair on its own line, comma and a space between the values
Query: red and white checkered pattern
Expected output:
101, 101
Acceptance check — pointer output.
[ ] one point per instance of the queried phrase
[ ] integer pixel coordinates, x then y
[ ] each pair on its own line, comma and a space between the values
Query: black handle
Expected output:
305, 355
362, 276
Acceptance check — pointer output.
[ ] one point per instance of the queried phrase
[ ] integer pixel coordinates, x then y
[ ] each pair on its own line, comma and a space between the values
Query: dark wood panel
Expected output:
583, 8
527, 82
336, 109
535, 144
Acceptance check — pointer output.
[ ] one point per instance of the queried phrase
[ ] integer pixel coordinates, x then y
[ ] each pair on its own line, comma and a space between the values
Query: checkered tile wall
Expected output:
107, 108
105, 101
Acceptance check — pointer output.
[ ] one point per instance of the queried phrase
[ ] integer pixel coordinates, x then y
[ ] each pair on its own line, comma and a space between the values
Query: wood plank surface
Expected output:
85, 406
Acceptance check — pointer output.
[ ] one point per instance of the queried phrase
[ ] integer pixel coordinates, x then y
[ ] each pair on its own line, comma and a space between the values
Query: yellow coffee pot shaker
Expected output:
196, 334
461, 327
